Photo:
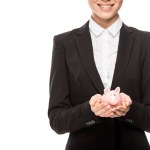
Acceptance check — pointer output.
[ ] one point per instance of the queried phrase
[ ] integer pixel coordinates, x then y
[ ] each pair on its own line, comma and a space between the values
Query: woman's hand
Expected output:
101, 109
123, 108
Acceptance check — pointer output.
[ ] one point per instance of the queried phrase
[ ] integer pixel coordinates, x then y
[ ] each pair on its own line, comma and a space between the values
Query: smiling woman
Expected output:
27, 28
105, 11
83, 66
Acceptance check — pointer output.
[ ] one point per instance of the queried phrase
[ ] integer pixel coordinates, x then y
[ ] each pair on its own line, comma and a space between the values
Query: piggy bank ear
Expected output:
117, 90
106, 90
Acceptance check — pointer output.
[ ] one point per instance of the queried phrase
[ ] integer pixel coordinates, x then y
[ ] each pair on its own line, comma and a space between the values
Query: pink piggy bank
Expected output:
112, 97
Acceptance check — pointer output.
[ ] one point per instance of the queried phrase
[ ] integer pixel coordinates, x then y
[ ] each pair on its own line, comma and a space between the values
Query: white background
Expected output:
27, 28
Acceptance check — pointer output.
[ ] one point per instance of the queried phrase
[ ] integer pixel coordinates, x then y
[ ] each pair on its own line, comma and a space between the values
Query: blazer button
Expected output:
90, 123
130, 120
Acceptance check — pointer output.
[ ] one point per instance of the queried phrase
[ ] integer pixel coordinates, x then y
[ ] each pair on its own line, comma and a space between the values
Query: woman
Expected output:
104, 53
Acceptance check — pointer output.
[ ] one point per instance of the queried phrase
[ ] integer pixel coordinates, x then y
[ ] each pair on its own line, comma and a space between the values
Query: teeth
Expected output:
106, 6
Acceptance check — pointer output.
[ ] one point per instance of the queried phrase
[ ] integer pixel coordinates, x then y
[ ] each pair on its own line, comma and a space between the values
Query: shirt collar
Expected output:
98, 30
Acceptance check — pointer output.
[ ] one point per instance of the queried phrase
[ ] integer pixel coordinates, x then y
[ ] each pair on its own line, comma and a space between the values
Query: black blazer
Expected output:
74, 80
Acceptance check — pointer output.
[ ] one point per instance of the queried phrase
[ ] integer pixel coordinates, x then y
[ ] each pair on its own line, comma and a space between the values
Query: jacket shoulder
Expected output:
140, 33
70, 34
66, 35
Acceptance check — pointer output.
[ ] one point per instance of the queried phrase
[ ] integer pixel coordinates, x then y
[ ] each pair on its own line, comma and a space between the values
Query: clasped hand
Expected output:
104, 109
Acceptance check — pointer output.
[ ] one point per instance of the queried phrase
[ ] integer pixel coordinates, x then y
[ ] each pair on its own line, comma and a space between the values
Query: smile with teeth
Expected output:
105, 6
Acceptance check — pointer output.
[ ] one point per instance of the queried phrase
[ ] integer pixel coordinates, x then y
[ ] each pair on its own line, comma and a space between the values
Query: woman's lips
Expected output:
106, 7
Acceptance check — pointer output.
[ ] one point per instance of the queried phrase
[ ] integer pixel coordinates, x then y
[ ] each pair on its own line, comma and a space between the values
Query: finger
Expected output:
92, 102
119, 113
126, 98
122, 96
107, 114
128, 103
122, 109
104, 111
113, 115
94, 99
98, 106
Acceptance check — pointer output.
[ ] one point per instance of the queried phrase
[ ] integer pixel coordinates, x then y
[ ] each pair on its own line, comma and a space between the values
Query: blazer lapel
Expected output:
124, 52
85, 50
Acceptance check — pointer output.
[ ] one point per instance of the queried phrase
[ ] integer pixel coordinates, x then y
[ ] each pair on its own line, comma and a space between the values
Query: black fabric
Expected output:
74, 80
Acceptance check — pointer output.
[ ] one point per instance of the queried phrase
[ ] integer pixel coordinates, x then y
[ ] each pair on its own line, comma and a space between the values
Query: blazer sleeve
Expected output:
139, 113
62, 115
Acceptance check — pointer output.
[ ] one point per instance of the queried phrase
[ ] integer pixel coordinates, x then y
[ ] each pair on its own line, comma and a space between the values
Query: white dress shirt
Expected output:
105, 48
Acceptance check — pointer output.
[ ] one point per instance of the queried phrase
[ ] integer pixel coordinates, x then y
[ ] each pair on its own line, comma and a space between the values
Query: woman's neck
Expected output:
105, 23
